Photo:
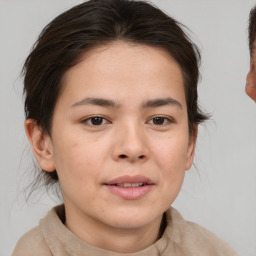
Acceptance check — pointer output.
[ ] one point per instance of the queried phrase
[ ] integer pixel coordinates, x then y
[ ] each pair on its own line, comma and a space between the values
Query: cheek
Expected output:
78, 171
171, 161
171, 153
77, 160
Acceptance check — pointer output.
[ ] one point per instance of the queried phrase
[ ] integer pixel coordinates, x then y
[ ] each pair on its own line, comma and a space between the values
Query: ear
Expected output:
191, 148
250, 87
41, 145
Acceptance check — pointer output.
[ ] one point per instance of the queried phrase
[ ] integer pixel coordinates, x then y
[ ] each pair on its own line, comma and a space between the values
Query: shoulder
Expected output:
195, 238
43, 240
32, 244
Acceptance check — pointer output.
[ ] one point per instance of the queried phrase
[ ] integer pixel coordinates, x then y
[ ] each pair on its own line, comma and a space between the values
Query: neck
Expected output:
114, 239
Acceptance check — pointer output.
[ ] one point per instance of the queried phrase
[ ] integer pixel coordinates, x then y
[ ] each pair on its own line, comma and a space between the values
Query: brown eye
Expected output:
158, 120
95, 121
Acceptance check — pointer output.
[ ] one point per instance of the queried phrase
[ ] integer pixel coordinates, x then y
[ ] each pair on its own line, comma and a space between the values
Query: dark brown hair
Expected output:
252, 29
95, 23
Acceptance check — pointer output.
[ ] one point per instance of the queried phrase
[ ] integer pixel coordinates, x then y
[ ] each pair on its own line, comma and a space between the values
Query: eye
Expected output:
95, 121
160, 120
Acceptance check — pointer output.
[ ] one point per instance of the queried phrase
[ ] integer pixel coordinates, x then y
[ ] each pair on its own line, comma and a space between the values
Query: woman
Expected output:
112, 115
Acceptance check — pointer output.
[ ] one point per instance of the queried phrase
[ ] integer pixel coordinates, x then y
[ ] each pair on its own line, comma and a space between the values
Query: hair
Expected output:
252, 29
95, 23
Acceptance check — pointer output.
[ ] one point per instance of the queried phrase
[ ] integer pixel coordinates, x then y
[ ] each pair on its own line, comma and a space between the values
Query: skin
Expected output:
250, 87
128, 140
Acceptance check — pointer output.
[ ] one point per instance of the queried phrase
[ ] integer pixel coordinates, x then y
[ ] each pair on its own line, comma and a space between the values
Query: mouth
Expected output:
130, 187
130, 181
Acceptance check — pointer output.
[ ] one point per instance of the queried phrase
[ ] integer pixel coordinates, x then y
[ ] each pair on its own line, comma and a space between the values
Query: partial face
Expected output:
251, 76
120, 141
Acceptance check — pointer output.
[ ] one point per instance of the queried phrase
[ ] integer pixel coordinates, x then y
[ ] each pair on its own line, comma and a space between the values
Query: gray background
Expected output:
220, 193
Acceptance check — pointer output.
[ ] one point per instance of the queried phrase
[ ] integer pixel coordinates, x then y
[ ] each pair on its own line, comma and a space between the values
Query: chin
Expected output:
133, 219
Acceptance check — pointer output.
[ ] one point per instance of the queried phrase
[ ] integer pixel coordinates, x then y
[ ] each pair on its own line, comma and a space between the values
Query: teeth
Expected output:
129, 185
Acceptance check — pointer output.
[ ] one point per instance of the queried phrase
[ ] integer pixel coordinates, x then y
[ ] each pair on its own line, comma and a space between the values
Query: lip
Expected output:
116, 187
130, 179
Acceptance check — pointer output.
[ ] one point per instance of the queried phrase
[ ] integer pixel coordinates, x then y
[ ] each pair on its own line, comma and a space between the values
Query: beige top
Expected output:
181, 238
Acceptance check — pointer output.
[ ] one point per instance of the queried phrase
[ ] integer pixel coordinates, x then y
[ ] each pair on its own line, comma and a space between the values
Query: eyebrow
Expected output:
95, 101
161, 102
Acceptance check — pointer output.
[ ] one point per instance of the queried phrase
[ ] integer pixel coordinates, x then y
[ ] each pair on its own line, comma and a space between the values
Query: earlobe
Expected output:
191, 148
250, 87
41, 145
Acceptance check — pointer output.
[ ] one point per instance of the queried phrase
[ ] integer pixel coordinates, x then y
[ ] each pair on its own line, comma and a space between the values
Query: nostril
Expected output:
123, 156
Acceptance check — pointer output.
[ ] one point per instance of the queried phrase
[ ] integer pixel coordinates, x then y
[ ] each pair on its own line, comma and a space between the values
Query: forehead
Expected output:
120, 54
124, 68
126, 52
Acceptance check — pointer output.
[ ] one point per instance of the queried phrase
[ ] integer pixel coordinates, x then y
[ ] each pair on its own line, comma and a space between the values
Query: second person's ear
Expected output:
250, 87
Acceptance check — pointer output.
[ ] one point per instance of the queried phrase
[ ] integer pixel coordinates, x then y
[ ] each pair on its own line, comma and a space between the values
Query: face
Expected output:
251, 76
120, 141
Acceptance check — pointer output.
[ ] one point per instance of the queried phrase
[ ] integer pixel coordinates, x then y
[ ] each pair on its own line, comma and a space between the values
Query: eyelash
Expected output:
166, 120
102, 120
89, 120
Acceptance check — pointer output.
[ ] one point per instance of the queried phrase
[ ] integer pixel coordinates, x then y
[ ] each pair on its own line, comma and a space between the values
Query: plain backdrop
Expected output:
220, 192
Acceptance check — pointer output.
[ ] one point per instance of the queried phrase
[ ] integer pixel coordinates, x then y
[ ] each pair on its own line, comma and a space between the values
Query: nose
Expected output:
131, 144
